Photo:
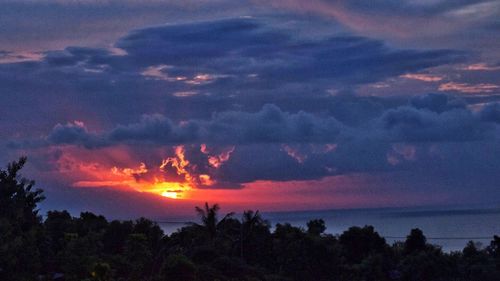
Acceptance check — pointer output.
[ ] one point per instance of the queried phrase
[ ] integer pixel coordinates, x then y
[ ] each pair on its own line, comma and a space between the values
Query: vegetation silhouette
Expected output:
90, 247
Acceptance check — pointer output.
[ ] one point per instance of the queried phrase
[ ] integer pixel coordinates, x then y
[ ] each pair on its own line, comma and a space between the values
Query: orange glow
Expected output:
159, 185
179, 163
130, 172
206, 180
163, 192
217, 160
173, 190
175, 177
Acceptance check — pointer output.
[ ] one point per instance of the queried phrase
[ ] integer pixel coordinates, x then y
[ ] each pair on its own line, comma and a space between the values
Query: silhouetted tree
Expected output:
138, 256
252, 220
477, 264
316, 227
359, 242
209, 218
20, 225
415, 241
57, 224
494, 250
90, 223
152, 231
428, 265
115, 236
179, 267
255, 240
470, 250
494, 247
58, 227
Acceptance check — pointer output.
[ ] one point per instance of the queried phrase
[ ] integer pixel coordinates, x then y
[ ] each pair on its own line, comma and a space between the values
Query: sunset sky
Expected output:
148, 108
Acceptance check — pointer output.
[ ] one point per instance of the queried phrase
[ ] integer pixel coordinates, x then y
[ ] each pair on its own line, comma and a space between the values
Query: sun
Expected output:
170, 194
172, 190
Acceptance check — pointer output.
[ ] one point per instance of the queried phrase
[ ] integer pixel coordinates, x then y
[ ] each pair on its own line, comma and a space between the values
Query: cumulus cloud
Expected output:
73, 133
272, 125
427, 118
413, 125
269, 125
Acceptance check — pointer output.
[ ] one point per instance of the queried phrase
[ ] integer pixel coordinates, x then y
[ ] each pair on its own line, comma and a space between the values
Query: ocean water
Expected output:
449, 228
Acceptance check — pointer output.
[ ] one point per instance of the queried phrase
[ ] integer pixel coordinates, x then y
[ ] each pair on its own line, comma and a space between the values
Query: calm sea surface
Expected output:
450, 229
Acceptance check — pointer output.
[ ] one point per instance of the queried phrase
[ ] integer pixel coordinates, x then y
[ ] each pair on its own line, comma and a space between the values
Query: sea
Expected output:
450, 229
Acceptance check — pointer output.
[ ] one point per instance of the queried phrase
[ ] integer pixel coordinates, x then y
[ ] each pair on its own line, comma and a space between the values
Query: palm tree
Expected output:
253, 219
250, 221
209, 218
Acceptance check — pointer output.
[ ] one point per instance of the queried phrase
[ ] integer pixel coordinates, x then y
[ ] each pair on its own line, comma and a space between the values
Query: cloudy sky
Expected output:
131, 108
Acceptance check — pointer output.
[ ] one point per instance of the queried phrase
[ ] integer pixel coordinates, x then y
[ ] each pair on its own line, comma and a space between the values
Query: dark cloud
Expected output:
71, 56
437, 102
243, 47
269, 125
427, 118
72, 134
413, 125
490, 112
150, 128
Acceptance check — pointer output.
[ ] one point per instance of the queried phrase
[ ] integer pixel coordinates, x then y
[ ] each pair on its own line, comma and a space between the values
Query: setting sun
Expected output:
170, 194
173, 190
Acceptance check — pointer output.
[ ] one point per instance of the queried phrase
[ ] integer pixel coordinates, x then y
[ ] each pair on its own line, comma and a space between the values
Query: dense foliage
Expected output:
90, 247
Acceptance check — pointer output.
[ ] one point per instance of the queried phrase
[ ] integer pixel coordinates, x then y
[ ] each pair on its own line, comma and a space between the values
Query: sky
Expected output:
149, 108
